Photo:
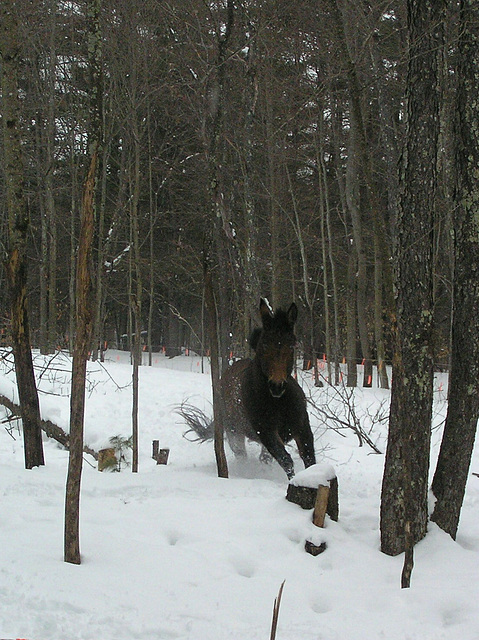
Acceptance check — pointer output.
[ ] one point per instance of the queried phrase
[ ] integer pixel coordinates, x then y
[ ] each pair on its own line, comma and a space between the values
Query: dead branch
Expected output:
51, 429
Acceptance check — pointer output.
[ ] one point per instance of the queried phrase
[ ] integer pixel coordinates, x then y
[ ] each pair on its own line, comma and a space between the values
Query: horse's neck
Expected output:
257, 375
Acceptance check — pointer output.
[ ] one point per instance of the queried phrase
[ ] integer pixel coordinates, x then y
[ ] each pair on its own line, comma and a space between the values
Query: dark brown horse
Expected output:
261, 399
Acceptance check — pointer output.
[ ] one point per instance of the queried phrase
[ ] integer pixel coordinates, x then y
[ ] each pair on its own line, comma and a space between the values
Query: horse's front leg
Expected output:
305, 443
275, 446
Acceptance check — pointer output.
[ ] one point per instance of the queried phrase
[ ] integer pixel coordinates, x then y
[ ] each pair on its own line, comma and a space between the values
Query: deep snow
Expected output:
175, 552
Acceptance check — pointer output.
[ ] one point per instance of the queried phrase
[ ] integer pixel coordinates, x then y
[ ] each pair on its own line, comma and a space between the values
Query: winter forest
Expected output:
165, 164
261, 137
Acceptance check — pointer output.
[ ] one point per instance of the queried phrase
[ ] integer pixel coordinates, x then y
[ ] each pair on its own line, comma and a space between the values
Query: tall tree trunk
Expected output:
274, 210
252, 285
404, 504
136, 293
18, 226
327, 323
352, 197
351, 351
378, 317
152, 221
334, 280
449, 483
351, 318
84, 293
213, 142
43, 305
50, 212
72, 271
97, 348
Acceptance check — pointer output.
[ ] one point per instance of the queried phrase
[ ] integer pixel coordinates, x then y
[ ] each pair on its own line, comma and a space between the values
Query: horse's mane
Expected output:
254, 338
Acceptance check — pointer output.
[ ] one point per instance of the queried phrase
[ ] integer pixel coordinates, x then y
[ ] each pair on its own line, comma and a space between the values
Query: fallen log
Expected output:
51, 429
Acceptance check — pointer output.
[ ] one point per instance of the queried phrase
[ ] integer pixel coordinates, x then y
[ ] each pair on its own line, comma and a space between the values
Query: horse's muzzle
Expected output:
276, 388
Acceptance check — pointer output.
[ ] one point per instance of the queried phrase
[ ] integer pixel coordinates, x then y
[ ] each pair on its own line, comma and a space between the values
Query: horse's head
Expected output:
274, 346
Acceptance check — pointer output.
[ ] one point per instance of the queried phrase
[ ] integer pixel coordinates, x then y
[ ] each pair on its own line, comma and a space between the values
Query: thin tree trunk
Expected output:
378, 317
274, 210
351, 321
84, 325
212, 331
361, 278
97, 337
43, 328
334, 281
50, 212
18, 228
327, 324
136, 296
84, 293
213, 139
351, 351
72, 278
252, 285
152, 219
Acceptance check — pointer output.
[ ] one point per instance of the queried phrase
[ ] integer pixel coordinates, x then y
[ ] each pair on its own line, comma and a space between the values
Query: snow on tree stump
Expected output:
107, 459
160, 455
316, 488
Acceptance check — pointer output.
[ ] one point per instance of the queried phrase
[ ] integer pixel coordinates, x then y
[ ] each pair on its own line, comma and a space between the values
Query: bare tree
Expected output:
18, 229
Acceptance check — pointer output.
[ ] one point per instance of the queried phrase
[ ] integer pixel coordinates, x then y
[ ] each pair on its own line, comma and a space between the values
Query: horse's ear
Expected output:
292, 314
265, 311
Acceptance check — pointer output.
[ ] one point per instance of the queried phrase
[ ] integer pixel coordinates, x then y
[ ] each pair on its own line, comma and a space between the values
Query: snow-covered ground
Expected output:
175, 552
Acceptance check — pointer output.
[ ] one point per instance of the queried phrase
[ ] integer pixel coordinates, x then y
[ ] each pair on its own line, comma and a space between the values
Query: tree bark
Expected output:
404, 505
449, 483
18, 228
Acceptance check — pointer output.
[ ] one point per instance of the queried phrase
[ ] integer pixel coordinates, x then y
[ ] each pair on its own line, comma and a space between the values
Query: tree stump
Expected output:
160, 455
316, 487
107, 459
303, 488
